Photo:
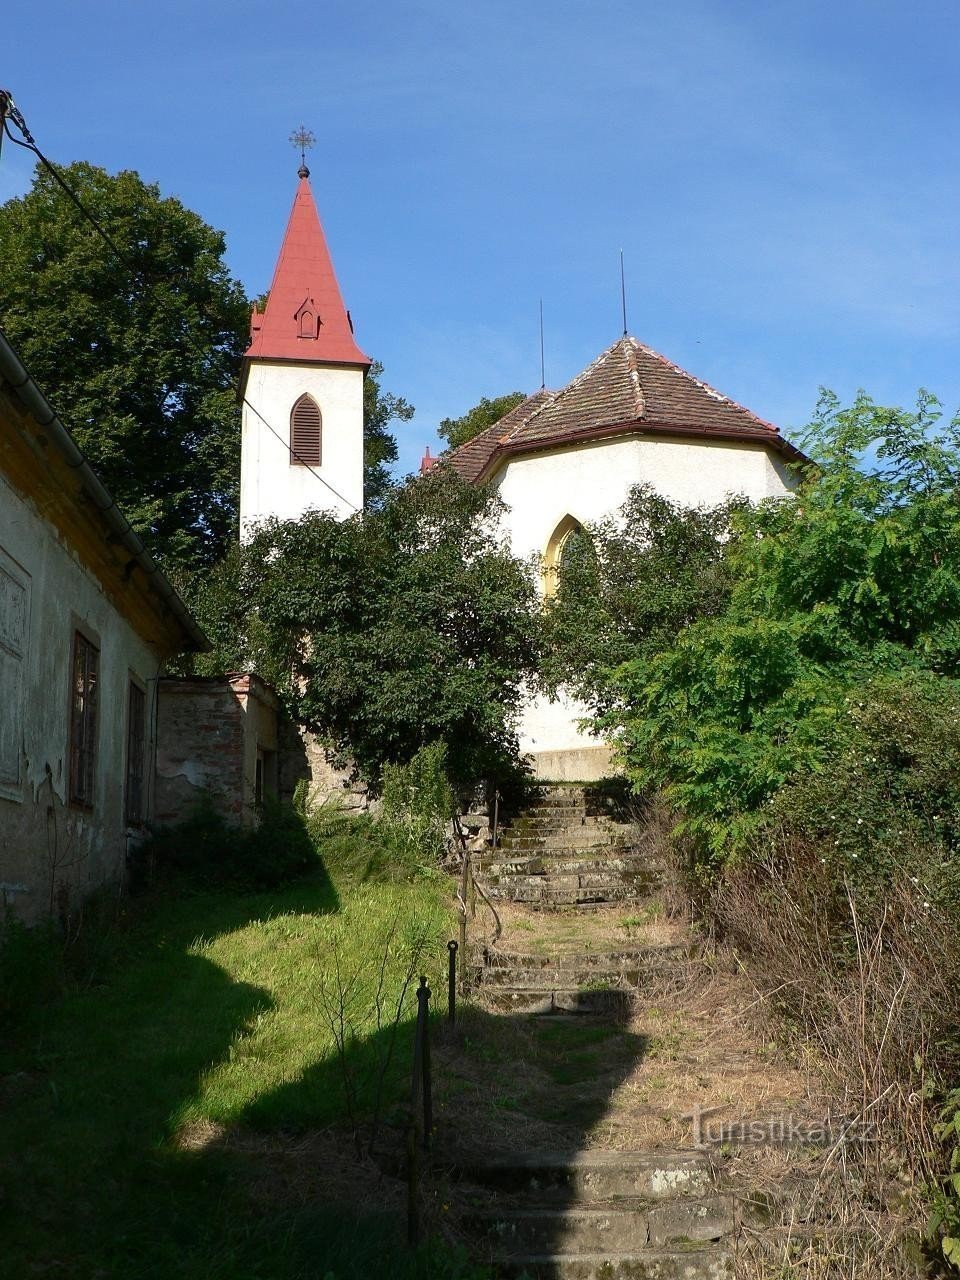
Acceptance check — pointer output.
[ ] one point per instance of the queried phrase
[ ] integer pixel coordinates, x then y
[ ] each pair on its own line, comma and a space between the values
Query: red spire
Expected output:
427, 463
304, 319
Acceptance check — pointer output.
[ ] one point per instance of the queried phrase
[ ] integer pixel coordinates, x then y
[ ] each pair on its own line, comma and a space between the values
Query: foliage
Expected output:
944, 1226
208, 1015
629, 586
380, 408
208, 852
457, 431
140, 357
417, 805
856, 580
30, 964
409, 626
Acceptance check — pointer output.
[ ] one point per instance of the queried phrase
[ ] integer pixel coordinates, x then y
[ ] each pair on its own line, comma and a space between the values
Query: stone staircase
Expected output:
586, 1214
606, 1215
570, 848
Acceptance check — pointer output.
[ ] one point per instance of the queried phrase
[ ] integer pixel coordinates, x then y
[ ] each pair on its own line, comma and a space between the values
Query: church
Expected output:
559, 460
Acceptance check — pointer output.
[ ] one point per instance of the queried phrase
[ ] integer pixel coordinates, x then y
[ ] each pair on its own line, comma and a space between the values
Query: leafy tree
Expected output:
379, 447
409, 626
457, 431
629, 585
140, 356
855, 581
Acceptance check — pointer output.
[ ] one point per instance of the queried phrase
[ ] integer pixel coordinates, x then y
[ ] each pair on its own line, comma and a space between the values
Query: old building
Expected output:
564, 459
87, 624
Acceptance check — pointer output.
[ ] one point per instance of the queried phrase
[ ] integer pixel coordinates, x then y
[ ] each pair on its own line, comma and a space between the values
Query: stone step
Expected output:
557, 861
681, 1264
570, 838
614, 1002
559, 821
589, 1177
649, 957
596, 877
618, 1227
541, 891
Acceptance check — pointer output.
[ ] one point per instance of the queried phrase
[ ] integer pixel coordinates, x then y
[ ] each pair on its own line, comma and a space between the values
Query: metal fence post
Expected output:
423, 1016
452, 949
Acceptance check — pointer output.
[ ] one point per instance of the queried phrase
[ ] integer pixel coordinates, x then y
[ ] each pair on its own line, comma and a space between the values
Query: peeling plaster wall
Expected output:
589, 482
51, 851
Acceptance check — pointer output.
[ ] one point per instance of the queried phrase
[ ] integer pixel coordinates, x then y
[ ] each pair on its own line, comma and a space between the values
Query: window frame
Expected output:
84, 738
135, 816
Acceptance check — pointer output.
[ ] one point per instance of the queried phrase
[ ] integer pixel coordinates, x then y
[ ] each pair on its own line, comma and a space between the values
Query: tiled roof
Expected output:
471, 458
304, 319
628, 388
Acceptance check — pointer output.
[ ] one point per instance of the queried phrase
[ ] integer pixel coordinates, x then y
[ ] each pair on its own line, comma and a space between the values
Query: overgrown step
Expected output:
585, 1177
617, 1227
616, 968
562, 838
680, 1264
567, 889
614, 1002
560, 861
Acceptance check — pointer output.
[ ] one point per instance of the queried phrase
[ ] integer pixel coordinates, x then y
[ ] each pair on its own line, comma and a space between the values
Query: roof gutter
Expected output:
36, 403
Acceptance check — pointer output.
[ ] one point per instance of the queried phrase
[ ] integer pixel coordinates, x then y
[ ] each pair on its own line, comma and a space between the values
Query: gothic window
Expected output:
305, 433
83, 721
568, 542
308, 328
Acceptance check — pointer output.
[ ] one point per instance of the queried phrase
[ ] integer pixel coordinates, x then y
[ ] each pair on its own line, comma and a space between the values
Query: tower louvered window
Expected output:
305, 433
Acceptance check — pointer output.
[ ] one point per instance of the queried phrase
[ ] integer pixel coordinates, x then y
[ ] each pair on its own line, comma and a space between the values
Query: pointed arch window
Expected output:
568, 540
306, 430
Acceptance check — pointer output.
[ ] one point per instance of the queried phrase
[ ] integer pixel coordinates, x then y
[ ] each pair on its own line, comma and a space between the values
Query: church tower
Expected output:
301, 386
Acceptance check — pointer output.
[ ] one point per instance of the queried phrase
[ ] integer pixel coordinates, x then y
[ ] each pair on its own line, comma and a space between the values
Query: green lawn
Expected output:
116, 1099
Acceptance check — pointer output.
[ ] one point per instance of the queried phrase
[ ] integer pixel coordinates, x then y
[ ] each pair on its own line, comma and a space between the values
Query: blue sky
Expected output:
782, 177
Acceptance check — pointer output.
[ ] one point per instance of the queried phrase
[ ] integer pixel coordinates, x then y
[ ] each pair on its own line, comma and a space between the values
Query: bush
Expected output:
31, 965
208, 852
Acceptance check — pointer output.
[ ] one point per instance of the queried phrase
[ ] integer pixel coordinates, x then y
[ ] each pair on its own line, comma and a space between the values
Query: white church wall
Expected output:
269, 484
589, 482
49, 847
592, 480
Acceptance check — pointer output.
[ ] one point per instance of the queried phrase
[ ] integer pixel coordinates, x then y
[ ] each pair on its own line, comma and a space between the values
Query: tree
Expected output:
406, 626
844, 598
139, 356
628, 586
379, 447
457, 431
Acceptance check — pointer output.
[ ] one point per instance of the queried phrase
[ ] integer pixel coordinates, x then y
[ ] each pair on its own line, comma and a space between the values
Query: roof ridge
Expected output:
548, 398
699, 382
641, 400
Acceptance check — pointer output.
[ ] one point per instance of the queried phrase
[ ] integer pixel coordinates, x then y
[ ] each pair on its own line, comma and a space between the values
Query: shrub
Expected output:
208, 852
417, 805
31, 965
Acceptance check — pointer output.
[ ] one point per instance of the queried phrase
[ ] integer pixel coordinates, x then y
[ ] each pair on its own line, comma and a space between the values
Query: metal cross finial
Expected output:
303, 139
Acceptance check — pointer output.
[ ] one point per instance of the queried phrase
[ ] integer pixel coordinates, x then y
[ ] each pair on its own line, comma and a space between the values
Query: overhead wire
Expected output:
9, 111
303, 462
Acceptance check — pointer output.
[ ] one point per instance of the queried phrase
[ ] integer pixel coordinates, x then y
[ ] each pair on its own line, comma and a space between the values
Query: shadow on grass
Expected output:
89, 1182
92, 1183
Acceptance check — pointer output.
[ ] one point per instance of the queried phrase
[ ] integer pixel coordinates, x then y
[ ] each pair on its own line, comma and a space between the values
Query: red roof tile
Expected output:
472, 458
304, 319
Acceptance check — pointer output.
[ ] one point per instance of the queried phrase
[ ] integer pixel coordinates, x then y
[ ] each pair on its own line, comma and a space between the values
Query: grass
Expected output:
123, 1096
